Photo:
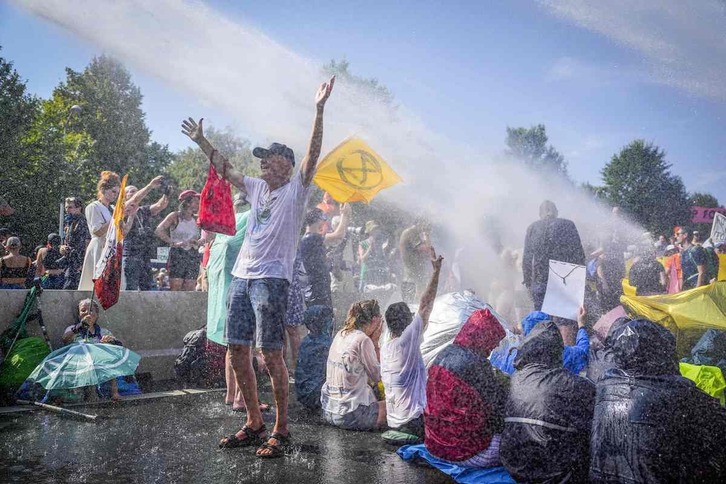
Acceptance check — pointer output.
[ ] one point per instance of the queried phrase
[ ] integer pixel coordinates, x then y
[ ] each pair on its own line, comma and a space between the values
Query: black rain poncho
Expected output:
548, 415
651, 424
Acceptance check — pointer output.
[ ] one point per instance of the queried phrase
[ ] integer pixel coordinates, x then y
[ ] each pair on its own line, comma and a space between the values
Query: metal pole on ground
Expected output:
60, 410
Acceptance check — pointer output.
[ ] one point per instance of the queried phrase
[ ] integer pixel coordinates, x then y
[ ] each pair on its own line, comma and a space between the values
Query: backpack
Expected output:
190, 365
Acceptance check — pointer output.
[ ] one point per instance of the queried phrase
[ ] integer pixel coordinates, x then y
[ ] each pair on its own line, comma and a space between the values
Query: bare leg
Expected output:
234, 393
175, 284
381, 422
189, 285
241, 357
280, 387
115, 396
293, 333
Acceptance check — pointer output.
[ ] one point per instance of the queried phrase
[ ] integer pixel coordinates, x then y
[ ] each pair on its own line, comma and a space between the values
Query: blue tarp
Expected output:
492, 475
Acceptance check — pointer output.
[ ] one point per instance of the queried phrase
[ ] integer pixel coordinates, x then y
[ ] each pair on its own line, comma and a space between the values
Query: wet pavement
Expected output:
175, 439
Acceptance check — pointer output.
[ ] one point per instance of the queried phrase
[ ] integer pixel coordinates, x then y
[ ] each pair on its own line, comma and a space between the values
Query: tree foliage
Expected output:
56, 151
529, 145
638, 179
698, 199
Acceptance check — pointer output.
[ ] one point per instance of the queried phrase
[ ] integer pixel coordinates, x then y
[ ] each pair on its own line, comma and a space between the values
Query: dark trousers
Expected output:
73, 276
137, 270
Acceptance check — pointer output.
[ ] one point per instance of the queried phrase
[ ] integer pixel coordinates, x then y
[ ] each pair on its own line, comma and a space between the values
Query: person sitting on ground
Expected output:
548, 415
675, 432
14, 267
313, 356
574, 357
50, 262
351, 397
402, 365
465, 399
89, 331
601, 357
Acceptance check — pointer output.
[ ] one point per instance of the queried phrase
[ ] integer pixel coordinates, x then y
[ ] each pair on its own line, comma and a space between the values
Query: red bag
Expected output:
216, 212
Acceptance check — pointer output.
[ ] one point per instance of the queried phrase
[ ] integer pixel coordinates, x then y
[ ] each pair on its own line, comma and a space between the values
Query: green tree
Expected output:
112, 117
703, 200
638, 179
190, 167
529, 145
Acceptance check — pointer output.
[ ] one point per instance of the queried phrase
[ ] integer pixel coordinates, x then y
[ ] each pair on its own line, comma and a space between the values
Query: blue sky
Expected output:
596, 77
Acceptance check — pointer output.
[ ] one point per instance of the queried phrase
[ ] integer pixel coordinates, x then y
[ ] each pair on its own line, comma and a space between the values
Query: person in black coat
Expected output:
548, 238
548, 414
650, 423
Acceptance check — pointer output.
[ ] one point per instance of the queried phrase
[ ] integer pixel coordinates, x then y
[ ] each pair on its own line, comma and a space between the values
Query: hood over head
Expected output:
542, 346
531, 320
642, 347
481, 332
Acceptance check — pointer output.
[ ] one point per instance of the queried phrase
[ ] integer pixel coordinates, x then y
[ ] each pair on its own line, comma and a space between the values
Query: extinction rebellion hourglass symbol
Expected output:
363, 171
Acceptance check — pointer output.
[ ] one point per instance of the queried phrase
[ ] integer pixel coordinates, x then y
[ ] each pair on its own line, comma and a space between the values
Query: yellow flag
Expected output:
353, 172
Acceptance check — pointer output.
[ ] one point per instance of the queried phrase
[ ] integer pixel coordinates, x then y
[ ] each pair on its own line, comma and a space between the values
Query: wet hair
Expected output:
107, 181
93, 303
13, 242
54, 240
75, 201
398, 317
548, 209
360, 314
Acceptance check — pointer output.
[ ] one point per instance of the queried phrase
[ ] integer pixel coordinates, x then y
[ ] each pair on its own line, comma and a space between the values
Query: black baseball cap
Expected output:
275, 149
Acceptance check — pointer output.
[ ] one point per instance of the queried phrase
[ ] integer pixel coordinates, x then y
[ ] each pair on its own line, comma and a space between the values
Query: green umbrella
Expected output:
84, 364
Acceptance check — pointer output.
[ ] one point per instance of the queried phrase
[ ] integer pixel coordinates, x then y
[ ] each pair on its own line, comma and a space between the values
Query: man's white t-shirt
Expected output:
273, 229
404, 375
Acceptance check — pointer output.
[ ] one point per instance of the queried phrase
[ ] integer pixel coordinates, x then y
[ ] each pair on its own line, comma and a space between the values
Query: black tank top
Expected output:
50, 261
14, 272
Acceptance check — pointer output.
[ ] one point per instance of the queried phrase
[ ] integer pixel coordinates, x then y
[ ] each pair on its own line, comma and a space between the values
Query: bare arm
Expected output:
162, 231
141, 194
101, 232
426, 305
339, 232
310, 161
160, 205
39, 269
224, 168
701, 275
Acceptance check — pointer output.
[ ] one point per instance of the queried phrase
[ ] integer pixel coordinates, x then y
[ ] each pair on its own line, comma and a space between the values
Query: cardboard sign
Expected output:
705, 215
718, 229
565, 290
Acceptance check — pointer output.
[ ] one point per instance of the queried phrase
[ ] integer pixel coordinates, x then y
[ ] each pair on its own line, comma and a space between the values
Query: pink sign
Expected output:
703, 215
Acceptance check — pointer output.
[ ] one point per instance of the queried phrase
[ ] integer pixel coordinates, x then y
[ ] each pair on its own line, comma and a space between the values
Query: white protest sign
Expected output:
718, 229
565, 290
162, 254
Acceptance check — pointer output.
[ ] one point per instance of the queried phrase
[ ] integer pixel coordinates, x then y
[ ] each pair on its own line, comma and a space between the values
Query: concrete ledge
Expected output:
152, 323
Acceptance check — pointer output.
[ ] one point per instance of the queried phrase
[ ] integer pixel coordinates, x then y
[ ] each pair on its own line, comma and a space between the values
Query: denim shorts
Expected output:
256, 312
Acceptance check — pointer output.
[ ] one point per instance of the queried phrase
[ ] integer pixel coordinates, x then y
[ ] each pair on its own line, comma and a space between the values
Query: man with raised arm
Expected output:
258, 293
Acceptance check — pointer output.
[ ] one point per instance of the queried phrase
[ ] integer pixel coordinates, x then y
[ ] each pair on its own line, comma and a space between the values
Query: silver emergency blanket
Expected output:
449, 314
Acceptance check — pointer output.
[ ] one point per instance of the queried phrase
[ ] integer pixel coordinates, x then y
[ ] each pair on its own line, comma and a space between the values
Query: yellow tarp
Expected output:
722, 267
353, 172
708, 378
687, 314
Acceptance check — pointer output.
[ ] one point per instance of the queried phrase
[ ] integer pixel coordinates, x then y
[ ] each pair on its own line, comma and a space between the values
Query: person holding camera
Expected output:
76, 238
139, 239
180, 230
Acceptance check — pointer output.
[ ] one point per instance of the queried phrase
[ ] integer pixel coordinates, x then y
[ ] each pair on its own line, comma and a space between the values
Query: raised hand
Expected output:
157, 181
324, 92
193, 129
436, 260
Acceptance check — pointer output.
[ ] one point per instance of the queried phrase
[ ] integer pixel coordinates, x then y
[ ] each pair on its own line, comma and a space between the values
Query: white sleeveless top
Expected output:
185, 231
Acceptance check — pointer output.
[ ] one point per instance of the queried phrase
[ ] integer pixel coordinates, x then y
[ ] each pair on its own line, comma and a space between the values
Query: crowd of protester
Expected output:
360, 367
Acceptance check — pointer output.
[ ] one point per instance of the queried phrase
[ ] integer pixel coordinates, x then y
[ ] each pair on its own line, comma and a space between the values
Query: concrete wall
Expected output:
150, 323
